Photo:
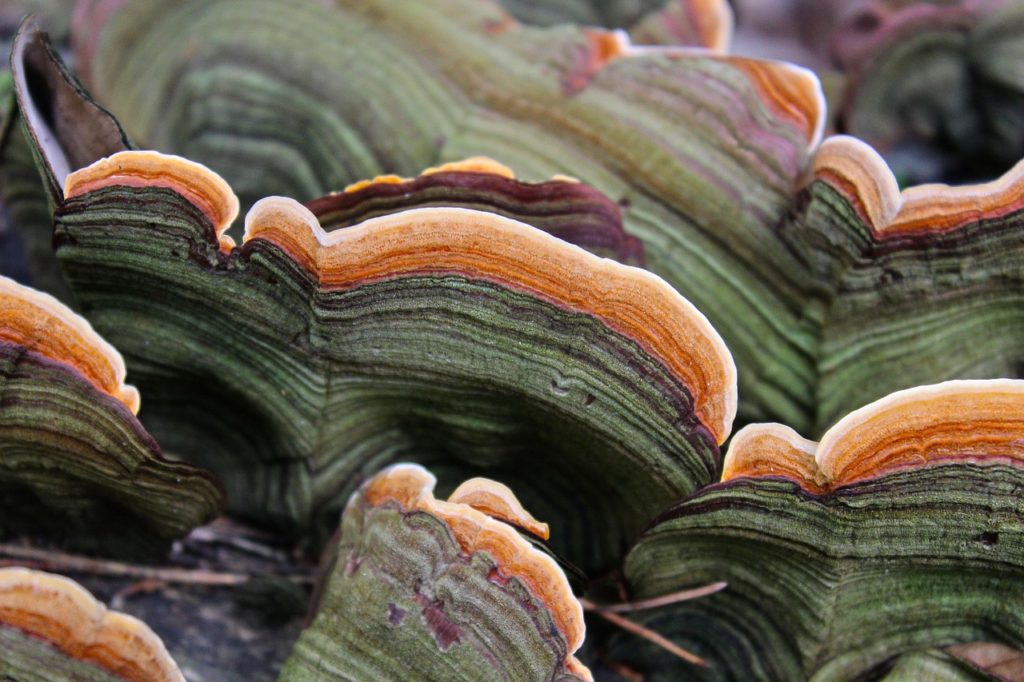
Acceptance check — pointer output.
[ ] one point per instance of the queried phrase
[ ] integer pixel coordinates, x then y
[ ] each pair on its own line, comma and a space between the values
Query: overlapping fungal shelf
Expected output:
62, 121
790, 249
926, 284
458, 338
460, 319
70, 444
35, 322
900, 530
562, 206
53, 630
463, 319
450, 585
656, 130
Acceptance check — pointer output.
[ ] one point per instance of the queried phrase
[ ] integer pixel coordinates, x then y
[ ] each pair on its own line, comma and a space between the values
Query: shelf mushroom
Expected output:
562, 206
70, 443
428, 589
901, 530
302, 361
458, 338
715, 161
53, 630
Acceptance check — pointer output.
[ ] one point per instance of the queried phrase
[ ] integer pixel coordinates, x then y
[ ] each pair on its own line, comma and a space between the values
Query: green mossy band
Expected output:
907, 310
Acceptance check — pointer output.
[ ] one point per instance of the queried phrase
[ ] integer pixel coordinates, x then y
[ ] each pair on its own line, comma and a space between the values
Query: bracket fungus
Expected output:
715, 161
458, 338
53, 630
562, 206
901, 530
927, 283
451, 585
302, 361
654, 129
479, 322
70, 442
405, 324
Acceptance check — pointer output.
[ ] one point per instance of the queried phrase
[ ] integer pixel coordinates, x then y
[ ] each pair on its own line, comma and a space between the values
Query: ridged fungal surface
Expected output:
34, 322
428, 589
900, 530
304, 360
53, 630
484, 317
656, 131
562, 207
926, 284
794, 252
70, 444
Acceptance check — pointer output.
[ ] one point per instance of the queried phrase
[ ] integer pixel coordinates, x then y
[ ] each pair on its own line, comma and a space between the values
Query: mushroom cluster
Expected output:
576, 265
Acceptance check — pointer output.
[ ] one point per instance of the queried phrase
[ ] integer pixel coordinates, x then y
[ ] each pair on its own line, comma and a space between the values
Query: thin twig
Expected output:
234, 527
664, 600
209, 535
117, 602
640, 631
61, 561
